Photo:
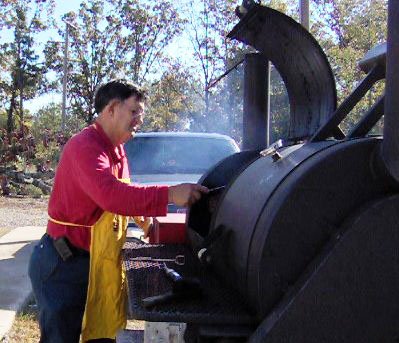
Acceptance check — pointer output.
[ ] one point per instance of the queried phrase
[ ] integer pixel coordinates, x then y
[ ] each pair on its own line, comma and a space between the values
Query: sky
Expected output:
62, 7
180, 48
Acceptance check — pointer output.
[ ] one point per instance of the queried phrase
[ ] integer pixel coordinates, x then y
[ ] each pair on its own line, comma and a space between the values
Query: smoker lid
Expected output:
300, 61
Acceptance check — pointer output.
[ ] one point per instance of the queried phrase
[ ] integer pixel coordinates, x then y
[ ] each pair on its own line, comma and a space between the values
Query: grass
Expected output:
4, 230
25, 327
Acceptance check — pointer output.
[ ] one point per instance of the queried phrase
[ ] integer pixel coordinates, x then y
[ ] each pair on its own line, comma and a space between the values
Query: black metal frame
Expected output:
363, 127
329, 129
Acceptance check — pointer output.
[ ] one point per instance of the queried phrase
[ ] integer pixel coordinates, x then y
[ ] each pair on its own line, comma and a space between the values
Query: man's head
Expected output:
120, 106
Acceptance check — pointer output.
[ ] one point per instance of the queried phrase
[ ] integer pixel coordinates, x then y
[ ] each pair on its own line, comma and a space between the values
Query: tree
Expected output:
24, 73
347, 30
172, 100
209, 22
92, 50
150, 27
125, 43
47, 135
47, 118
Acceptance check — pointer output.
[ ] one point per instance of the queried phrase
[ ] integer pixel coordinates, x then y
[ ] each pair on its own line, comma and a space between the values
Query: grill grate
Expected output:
218, 305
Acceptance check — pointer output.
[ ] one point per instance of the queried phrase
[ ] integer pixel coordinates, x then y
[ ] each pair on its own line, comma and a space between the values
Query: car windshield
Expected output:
174, 155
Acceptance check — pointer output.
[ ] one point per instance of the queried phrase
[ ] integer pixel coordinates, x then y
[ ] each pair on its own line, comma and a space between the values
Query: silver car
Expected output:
171, 158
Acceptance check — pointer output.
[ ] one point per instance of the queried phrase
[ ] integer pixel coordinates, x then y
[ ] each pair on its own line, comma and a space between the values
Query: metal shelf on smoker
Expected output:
218, 304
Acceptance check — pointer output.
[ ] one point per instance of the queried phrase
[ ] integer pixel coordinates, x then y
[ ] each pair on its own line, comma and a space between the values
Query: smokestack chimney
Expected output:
390, 146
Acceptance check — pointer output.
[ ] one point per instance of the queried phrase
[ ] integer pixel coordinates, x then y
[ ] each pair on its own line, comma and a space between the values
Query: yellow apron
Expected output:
105, 311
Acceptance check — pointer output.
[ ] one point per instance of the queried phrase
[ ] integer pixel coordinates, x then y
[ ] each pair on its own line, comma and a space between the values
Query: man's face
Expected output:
128, 117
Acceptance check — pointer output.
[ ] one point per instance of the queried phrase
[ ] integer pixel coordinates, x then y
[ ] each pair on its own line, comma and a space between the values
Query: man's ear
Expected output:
110, 108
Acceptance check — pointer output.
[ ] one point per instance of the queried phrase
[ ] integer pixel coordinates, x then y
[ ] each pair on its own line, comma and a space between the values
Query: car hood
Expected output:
165, 179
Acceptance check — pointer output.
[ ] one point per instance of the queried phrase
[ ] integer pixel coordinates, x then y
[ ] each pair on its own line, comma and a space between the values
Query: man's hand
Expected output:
144, 223
186, 194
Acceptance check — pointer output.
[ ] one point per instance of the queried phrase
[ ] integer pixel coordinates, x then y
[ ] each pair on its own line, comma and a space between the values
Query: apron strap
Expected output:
68, 224
125, 180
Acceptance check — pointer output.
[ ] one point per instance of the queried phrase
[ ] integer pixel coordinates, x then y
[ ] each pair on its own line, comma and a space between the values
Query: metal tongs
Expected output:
216, 190
180, 260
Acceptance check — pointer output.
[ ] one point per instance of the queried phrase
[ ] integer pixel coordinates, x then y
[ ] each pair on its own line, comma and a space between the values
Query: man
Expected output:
76, 269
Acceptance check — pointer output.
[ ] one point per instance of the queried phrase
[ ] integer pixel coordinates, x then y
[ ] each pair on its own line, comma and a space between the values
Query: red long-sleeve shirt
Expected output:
85, 187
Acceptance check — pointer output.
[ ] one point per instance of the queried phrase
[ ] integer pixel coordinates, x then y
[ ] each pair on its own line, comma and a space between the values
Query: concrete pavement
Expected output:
15, 288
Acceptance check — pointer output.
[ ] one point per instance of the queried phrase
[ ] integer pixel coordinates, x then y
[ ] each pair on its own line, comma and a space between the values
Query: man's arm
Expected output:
96, 179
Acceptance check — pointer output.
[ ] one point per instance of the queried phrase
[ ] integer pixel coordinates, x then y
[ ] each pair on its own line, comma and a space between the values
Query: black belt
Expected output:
67, 250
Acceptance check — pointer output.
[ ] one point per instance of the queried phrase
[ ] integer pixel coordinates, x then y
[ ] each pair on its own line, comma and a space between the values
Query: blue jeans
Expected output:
60, 289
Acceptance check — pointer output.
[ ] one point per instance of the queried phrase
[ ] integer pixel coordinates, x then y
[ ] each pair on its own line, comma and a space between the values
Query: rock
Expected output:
19, 177
50, 174
40, 184
11, 174
28, 180
49, 182
38, 175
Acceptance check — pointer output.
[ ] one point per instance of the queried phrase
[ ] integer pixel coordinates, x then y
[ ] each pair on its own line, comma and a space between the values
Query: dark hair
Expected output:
116, 89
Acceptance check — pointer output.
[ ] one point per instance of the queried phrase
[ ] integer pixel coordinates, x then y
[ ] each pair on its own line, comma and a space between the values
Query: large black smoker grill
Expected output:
302, 245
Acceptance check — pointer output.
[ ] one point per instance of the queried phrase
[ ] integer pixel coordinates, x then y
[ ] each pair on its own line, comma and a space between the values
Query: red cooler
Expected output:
169, 229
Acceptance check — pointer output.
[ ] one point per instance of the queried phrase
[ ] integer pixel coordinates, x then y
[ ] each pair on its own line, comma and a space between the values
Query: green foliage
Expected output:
170, 102
3, 119
347, 30
150, 27
129, 38
213, 54
279, 107
125, 40
47, 154
38, 141
17, 149
32, 191
221, 101
13, 189
48, 137
48, 118
24, 75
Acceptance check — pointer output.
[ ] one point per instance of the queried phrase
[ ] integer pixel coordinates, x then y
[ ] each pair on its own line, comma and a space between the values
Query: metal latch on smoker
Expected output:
272, 150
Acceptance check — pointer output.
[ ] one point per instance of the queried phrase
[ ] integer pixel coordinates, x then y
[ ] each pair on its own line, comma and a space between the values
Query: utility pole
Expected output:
65, 74
65, 78
304, 13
